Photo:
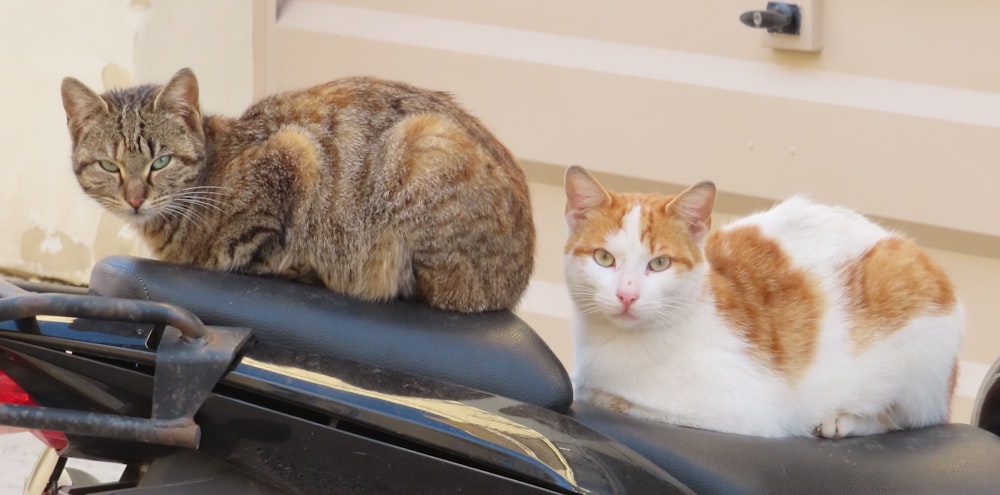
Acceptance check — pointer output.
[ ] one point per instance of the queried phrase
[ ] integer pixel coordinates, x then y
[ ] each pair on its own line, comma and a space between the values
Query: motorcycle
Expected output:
201, 382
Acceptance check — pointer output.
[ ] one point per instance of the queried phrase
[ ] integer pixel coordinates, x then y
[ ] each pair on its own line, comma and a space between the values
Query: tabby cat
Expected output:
801, 320
376, 189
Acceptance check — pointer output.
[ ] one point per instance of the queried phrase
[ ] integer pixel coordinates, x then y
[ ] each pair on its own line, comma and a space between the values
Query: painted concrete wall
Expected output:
52, 229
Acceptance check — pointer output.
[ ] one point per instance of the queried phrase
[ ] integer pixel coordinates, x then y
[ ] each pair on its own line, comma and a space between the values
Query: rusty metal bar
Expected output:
8, 289
20, 307
184, 433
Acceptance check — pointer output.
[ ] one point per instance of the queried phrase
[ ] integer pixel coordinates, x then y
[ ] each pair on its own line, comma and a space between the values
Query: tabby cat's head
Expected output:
137, 151
634, 259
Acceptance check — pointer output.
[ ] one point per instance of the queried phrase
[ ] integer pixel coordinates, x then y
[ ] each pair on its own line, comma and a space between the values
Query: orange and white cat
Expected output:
801, 320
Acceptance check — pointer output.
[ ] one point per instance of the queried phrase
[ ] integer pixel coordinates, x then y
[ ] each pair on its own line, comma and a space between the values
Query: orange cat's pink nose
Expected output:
627, 297
136, 202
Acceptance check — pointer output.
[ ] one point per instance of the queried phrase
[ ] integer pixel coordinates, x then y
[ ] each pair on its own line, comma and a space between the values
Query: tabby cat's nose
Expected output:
136, 202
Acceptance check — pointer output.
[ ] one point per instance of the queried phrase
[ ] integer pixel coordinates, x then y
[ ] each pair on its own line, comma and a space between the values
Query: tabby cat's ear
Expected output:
180, 97
694, 206
583, 193
81, 104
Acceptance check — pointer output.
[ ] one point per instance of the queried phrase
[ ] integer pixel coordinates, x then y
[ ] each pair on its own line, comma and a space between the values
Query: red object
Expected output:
11, 393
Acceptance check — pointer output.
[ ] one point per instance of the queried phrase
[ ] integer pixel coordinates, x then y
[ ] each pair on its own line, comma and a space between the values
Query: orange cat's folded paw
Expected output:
849, 425
827, 429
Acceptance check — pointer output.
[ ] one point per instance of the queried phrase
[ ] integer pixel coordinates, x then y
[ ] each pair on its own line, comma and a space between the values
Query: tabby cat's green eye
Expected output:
603, 258
109, 166
659, 264
160, 162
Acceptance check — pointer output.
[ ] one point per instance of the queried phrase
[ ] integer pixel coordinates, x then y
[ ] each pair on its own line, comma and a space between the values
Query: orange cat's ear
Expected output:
583, 193
81, 104
180, 96
694, 206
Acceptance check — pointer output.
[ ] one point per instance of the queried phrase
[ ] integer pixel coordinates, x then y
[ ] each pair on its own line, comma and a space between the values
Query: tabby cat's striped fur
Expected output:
377, 189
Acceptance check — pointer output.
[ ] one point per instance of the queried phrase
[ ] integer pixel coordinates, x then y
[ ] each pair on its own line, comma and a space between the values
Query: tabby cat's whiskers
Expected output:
175, 211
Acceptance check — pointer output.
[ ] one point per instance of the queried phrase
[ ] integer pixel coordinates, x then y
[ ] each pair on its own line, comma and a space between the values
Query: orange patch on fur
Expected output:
663, 233
666, 234
759, 292
608, 401
597, 224
894, 282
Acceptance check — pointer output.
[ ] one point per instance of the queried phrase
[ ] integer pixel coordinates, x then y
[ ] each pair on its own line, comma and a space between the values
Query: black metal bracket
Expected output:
778, 17
190, 360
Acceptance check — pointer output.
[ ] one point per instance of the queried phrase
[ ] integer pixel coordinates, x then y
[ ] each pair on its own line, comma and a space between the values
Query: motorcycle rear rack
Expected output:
191, 358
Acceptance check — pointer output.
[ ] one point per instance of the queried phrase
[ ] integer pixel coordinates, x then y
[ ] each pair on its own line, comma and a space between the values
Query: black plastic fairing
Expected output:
276, 403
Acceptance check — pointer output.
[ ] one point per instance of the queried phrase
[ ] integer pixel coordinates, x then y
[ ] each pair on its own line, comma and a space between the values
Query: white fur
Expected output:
678, 361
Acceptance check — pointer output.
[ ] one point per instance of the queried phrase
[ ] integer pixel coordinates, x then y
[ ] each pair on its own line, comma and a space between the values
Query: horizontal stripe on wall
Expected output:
884, 95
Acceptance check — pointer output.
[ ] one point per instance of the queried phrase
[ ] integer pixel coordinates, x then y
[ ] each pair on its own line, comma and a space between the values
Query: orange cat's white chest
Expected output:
699, 375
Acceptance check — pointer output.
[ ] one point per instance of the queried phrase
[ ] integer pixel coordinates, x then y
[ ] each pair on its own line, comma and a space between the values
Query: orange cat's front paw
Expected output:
827, 429
849, 425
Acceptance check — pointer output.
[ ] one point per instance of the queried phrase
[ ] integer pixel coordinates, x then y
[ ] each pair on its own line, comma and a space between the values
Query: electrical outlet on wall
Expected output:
809, 38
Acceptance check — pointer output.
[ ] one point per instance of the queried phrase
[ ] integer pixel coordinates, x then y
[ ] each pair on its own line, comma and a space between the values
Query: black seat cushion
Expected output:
951, 458
494, 352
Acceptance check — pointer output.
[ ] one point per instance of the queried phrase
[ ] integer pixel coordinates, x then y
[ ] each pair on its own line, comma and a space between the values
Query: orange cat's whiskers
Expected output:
589, 309
582, 289
587, 301
668, 311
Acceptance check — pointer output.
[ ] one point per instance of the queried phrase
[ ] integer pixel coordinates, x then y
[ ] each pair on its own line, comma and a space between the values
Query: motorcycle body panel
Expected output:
398, 398
294, 421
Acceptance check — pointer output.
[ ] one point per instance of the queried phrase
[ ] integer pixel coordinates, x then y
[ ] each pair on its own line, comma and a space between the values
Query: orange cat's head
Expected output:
633, 259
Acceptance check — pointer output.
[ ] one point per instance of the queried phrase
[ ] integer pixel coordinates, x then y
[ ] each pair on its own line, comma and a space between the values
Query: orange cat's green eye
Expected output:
659, 264
603, 258
160, 162
108, 166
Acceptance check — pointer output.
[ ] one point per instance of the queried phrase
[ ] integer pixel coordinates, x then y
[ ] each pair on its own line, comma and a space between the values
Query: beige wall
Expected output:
46, 227
898, 116
52, 229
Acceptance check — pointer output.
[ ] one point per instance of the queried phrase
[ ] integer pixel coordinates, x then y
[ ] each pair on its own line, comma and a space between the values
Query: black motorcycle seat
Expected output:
953, 458
494, 352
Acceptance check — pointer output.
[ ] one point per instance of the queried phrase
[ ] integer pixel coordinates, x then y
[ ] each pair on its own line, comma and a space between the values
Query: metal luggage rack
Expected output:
190, 360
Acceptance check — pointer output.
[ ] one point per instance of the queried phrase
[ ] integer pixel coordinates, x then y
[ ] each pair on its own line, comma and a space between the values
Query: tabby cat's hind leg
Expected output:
472, 246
